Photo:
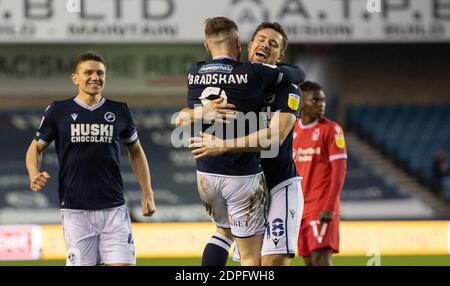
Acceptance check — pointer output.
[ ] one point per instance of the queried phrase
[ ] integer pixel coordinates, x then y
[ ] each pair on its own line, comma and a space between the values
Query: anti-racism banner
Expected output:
131, 69
175, 21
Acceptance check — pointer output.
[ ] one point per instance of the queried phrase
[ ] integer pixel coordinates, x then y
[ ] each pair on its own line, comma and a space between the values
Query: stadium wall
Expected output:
170, 240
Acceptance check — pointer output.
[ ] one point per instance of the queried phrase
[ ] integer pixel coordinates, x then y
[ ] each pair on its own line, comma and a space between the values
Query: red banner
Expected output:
20, 242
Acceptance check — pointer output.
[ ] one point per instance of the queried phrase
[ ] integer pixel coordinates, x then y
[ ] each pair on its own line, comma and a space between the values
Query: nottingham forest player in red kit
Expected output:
320, 158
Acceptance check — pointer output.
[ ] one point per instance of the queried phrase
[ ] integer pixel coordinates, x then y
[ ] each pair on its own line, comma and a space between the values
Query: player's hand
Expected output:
325, 216
218, 111
38, 181
206, 145
148, 204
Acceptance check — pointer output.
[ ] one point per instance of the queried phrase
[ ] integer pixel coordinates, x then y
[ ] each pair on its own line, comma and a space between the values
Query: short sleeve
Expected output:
47, 130
336, 143
129, 135
287, 99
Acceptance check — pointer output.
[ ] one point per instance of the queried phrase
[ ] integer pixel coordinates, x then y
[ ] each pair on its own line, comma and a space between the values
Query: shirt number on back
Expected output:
212, 91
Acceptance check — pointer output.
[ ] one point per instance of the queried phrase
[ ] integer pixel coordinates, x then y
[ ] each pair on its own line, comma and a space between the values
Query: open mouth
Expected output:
262, 54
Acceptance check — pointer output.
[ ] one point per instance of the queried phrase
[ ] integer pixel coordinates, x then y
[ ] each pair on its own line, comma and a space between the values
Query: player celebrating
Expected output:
268, 45
87, 131
320, 158
231, 186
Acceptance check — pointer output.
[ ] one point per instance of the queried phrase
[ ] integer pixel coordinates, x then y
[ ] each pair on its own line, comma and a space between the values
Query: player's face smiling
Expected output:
90, 77
266, 47
314, 104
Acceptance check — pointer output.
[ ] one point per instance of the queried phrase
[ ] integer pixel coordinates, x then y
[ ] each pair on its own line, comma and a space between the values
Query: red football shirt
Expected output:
315, 146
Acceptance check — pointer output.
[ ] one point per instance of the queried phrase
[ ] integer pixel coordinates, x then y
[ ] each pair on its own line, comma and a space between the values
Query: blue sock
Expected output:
216, 251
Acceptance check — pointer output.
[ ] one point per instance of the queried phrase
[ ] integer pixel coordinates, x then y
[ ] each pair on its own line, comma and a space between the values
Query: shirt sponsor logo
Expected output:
239, 223
91, 133
305, 155
221, 68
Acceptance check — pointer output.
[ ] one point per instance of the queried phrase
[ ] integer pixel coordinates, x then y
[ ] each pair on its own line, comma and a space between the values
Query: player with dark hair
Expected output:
320, 158
268, 45
281, 43
87, 131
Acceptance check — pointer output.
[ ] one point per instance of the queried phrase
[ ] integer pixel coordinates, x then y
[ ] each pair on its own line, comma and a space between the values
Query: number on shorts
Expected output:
315, 228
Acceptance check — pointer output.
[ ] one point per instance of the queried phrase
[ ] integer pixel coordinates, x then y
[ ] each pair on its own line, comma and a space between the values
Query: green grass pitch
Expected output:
419, 260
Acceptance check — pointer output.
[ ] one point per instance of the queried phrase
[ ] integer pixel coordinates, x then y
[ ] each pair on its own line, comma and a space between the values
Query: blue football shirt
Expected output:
87, 141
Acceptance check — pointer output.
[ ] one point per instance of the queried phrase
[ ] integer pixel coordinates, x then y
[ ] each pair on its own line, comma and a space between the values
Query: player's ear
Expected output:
205, 44
280, 57
75, 79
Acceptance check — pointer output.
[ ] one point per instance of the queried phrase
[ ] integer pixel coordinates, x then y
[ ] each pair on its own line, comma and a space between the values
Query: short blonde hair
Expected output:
219, 26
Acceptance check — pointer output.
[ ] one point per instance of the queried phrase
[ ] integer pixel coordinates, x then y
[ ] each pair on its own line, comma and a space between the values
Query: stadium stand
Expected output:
410, 134
173, 174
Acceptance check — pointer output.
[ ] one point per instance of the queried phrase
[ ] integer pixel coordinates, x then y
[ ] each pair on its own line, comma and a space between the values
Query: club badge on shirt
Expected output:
316, 134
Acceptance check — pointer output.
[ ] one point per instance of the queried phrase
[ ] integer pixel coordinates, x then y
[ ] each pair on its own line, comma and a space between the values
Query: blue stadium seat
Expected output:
410, 134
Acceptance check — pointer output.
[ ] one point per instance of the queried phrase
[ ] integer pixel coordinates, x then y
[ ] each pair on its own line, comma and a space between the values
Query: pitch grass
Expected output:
419, 260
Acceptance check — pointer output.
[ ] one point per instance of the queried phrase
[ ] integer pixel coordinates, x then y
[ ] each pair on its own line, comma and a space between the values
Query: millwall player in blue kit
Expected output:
268, 45
232, 186
87, 131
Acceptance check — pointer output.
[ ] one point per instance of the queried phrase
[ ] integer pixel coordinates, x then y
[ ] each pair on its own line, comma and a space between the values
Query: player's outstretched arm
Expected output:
33, 161
216, 109
279, 128
139, 165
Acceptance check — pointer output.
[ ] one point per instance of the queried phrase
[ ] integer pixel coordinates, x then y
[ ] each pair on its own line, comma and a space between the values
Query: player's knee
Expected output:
275, 260
321, 262
308, 261
249, 257
321, 259
225, 232
251, 261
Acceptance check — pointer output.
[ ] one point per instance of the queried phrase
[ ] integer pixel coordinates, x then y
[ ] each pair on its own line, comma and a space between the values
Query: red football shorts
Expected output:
313, 235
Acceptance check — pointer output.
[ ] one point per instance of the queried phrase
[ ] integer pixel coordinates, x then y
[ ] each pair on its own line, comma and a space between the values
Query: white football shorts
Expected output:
98, 236
283, 218
236, 202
